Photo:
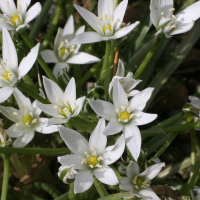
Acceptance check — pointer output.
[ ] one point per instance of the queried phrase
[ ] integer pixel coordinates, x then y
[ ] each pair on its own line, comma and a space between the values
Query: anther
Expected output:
172, 26
100, 18
171, 9
174, 16
14, 113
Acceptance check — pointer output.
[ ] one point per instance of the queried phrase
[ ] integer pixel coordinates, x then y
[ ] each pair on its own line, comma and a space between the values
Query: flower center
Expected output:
92, 160
27, 119
66, 111
15, 19
139, 182
7, 75
125, 114
64, 51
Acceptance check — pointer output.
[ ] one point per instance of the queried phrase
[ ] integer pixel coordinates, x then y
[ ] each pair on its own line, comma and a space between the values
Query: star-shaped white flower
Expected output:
165, 21
125, 115
138, 183
197, 190
63, 105
26, 120
128, 82
91, 158
107, 24
10, 71
62, 54
16, 18
195, 101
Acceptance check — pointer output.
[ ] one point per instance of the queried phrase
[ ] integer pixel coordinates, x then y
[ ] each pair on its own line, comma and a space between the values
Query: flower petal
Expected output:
58, 67
5, 92
28, 61
5, 24
43, 128
49, 56
9, 51
79, 105
8, 112
165, 7
74, 140
103, 108
132, 170
72, 159
119, 13
105, 7
8, 7
97, 139
114, 152
120, 69
82, 58
133, 140
78, 32
70, 92
152, 171
68, 30
53, 91
113, 127
148, 193
144, 118
23, 5
56, 121
126, 30
138, 102
23, 140
125, 184
106, 175
119, 95
89, 17
15, 131
48, 109
33, 12
83, 181
155, 14
85, 38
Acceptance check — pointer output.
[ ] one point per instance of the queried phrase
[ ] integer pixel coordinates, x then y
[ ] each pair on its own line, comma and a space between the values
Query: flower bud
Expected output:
67, 173
5, 140
122, 169
188, 118
151, 161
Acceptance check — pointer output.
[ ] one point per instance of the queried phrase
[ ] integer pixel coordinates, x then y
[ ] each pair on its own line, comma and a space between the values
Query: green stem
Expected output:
100, 189
166, 145
63, 197
193, 152
38, 23
40, 60
5, 176
33, 151
53, 26
31, 92
105, 66
147, 58
27, 79
71, 192
195, 140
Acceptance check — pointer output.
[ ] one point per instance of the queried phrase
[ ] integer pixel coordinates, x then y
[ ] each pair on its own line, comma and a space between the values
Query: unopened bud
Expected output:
5, 140
122, 169
151, 161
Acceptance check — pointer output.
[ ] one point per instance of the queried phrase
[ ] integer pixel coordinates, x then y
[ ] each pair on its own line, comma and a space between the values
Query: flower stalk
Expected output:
99, 187
5, 176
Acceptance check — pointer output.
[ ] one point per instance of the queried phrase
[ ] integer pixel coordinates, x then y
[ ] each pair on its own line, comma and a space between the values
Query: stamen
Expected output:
105, 16
100, 18
66, 41
91, 166
174, 16
135, 179
14, 113
171, 9
172, 26
61, 45
82, 161
24, 106
7, 4
17, 124
117, 111
98, 165
162, 13
59, 102
111, 18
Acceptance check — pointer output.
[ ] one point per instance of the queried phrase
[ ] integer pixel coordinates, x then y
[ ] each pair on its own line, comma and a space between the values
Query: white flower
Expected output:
16, 18
107, 24
197, 190
138, 183
62, 54
165, 21
26, 120
128, 82
91, 158
195, 101
10, 71
63, 104
125, 115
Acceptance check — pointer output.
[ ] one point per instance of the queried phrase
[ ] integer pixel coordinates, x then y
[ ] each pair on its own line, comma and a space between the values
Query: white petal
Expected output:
33, 12
133, 140
28, 61
15, 131
8, 8
113, 127
79, 105
138, 102
152, 171
154, 14
21, 99
148, 193
78, 32
144, 118
89, 17
8, 112
194, 101
49, 56
82, 58
23, 5
58, 39
72, 159
74, 140
97, 139
68, 30
43, 128
23, 140
132, 170
70, 92
105, 6
83, 181
106, 175
48, 109
56, 121
133, 93
5, 92
120, 69
103, 108
125, 184
124, 31
85, 38
9, 51
53, 91
119, 13
114, 152
5, 24
165, 6
119, 95
58, 67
